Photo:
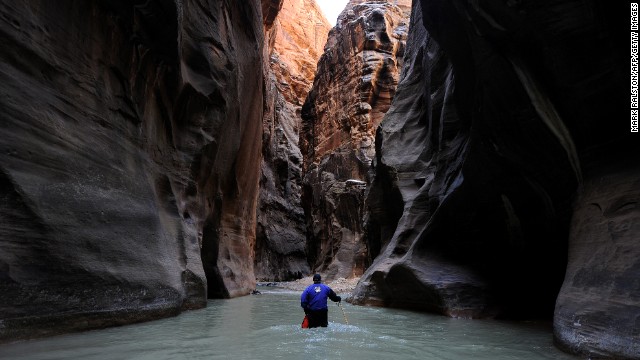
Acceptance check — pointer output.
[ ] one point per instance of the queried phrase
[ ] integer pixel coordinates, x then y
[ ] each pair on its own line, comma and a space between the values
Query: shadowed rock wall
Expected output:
129, 158
597, 312
505, 139
355, 82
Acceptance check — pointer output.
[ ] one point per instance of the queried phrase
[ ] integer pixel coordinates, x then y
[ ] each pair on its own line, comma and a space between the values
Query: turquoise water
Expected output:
267, 326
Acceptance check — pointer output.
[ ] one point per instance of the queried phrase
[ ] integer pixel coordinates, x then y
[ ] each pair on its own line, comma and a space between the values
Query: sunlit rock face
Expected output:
129, 159
499, 160
296, 42
354, 84
300, 36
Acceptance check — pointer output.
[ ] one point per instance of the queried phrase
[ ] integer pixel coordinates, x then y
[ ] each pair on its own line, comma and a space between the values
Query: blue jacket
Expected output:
314, 297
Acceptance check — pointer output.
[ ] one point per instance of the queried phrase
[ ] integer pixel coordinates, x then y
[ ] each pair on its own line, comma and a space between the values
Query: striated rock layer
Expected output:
129, 158
354, 84
297, 37
498, 147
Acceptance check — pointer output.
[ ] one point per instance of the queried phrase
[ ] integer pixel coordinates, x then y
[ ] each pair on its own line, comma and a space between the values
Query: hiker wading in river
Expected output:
314, 302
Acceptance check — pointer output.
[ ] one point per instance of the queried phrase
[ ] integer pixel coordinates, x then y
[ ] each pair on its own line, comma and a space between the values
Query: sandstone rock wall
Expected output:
129, 158
297, 40
354, 84
498, 147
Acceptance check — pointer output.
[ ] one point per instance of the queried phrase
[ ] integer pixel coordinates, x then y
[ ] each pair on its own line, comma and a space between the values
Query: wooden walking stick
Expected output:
343, 313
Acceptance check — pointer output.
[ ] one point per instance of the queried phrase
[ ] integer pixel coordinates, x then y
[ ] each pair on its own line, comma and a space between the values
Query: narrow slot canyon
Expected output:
468, 160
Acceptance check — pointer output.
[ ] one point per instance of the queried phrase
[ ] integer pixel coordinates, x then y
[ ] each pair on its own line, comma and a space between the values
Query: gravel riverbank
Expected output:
341, 286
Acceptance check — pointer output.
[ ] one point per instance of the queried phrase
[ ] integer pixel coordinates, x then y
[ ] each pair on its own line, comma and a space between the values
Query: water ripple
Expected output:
268, 327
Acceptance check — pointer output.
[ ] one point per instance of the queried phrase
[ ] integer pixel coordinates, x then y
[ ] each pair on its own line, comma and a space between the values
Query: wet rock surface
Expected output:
498, 125
297, 37
355, 82
129, 159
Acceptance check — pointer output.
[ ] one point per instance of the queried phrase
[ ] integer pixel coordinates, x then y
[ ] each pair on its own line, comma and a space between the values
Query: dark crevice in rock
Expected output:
210, 254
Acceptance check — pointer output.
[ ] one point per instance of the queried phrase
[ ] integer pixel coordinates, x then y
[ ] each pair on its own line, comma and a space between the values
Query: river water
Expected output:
267, 326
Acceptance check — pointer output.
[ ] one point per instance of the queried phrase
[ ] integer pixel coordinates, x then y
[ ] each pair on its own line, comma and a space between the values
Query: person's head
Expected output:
317, 278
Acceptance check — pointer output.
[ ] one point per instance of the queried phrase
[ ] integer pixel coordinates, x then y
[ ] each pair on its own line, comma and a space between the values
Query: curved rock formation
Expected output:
498, 123
129, 159
298, 36
355, 82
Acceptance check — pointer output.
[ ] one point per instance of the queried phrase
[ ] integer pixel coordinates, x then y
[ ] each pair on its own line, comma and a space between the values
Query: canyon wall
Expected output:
129, 158
505, 138
354, 84
298, 37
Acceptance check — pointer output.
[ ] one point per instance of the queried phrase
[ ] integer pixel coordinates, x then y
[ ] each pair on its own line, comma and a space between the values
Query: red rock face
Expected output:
356, 79
353, 88
298, 36
130, 159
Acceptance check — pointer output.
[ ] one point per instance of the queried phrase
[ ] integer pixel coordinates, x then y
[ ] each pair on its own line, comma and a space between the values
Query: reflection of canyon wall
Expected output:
353, 88
299, 34
501, 144
129, 158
